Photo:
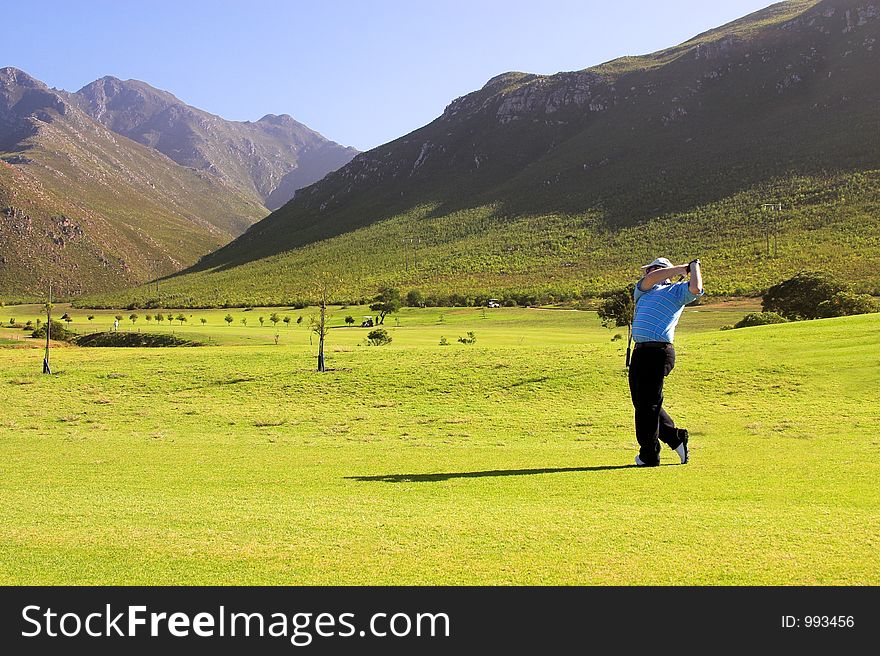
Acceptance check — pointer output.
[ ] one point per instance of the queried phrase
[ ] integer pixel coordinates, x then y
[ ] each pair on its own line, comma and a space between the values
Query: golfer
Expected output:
659, 304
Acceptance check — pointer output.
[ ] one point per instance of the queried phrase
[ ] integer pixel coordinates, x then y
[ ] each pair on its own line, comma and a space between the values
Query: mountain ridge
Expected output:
255, 156
784, 99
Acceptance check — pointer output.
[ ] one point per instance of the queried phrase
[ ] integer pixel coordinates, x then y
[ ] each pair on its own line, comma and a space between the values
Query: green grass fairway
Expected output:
504, 462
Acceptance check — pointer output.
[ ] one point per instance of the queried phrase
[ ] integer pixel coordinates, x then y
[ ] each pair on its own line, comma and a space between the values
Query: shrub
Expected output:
759, 319
470, 339
617, 308
800, 297
228, 319
415, 298
378, 337
444, 341
844, 304
59, 332
349, 320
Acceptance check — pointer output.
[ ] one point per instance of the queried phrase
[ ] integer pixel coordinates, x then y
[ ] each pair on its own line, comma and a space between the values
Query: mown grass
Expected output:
504, 462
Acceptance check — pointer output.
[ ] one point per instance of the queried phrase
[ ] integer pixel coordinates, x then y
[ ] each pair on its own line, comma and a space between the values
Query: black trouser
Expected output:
650, 364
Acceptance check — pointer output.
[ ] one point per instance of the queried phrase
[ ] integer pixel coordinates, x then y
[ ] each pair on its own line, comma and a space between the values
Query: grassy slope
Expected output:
508, 464
828, 223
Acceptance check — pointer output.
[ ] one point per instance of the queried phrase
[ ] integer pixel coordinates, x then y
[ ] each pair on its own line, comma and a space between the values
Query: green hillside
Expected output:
562, 185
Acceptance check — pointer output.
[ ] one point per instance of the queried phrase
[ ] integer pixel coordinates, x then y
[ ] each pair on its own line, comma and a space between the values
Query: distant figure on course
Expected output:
116, 324
658, 306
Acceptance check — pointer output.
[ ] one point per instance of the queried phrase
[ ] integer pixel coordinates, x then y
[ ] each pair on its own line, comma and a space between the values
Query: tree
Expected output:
160, 317
203, 320
148, 317
181, 318
349, 320
799, 297
91, 317
378, 337
118, 317
415, 298
320, 326
261, 320
244, 321
133, 317
287, 320
470, 339
228, 319
617, 309
386, 302
299, 320
274, 318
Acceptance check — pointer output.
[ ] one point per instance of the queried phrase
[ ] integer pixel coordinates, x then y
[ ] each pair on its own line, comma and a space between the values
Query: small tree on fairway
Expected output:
118, 317
244, 321
320, 327
133, 317
274, 318
349, 320
617, 310
203, 320
386, 302
470, 339
299, 320
228, 319
378, 337
160, 317
287, 320
91, 317
148, 317
261, 320
181, 318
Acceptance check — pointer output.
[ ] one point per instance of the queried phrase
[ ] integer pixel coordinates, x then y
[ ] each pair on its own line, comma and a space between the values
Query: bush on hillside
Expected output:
844, 304
759, 319
800, 297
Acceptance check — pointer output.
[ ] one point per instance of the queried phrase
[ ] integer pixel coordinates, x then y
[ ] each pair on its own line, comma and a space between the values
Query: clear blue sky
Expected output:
360, 72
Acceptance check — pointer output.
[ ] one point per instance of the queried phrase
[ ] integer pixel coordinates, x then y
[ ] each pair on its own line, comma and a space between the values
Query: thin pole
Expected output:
46, 369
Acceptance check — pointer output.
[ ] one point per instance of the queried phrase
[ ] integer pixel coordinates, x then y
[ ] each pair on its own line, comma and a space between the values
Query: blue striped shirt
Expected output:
658, 311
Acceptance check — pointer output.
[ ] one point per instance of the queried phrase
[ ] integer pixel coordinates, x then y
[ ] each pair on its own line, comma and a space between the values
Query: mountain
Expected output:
755, 145
91, 210
269, 159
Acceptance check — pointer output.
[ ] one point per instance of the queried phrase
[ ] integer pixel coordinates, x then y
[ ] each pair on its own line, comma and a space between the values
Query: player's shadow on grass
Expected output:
433, 478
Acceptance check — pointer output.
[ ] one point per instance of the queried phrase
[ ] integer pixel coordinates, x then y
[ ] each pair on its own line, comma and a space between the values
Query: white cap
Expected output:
659, 262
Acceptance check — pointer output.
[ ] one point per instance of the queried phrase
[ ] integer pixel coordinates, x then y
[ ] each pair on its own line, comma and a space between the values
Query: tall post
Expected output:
321, 331
46, 369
